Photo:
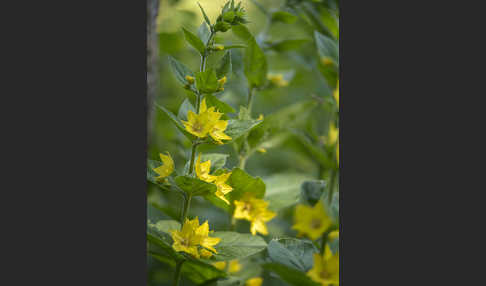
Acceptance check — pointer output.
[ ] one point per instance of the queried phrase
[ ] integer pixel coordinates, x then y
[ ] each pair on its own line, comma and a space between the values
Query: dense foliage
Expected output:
243, 163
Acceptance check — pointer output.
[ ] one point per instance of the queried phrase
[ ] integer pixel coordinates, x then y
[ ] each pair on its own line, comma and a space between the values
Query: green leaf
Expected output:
151, 175
237, 128
236, 46
221, 106
203, 33
176, 122
311, 191
290, 275
225, 66
204, 14
194, 41
235, 245
283, 190
217, 161
206, 81
180, 70
292, 252
327, 47
243, 183
287, 45
184, 109
255, 62
284, 17
194, 186
197, 271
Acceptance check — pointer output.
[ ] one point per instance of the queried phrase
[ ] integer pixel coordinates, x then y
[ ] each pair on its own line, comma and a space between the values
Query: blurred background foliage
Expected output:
291, 156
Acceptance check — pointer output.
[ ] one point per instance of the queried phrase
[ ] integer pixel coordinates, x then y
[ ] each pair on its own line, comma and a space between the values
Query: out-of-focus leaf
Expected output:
184, 109
236, 46
292, 252
237, 128
206, 18
221, 106
287, 45
224, 67
283, 190
176, 122
206, 81
235, 245
290, 275
311, 191
284, 17
243, 183
180, 70
326, 46
203, 33
194, 186
255, 61
194, 41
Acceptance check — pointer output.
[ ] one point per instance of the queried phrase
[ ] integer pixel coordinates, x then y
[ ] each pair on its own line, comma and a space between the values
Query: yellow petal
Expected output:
221, 265
203, 106
256, 281
234, 266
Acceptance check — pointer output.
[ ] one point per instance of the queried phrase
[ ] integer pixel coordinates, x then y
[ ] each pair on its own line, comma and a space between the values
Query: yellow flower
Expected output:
201, 124
260, 117
217, 132
192, 237
311, 221
277, 79
262, 150
202, 172
234, 266
255, 211
333, 134
223, 188
326, 268
256, 281
167, 168
336, 93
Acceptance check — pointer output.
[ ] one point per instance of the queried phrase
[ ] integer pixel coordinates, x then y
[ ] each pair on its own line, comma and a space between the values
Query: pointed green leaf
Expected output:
235, 245
204, 14
224, 67
180, 70
194, 186
221, 106
194, 41
292, 252
283, 190
203, 33
311, 191
327, 47
243, 183
255, 62
176, 122
206, 81
284, 17
237, 128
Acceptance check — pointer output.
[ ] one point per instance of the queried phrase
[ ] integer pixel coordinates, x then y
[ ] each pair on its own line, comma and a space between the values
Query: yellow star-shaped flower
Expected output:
254, 210
202, 172
194, 239
311, 221
201, 124
167, 168
223, 188
326, 268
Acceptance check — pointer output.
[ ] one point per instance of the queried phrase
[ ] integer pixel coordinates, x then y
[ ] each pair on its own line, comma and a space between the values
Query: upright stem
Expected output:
324, 241
250, 100
193, 157
177, 276
186, 209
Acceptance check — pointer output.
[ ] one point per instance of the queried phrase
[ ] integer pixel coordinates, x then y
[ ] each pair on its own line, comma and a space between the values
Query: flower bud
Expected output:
222, 80
190, 79
326, 61
277, 79
222, 26
218, 47
229, 16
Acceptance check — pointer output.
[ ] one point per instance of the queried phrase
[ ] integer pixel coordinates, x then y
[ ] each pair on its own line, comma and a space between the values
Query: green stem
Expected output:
187, 204
250, 100
178, 272
324, 241
193, 157
242, 163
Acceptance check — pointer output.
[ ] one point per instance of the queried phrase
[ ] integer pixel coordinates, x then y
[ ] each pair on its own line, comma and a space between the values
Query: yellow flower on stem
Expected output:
256, 281
201, 124
167, 168
223, 188
217, 132
311, 221
202, 170
254, 210
326, 268
192, 237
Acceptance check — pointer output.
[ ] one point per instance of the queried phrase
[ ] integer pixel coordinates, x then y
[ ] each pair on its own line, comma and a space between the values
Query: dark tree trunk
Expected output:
152, 62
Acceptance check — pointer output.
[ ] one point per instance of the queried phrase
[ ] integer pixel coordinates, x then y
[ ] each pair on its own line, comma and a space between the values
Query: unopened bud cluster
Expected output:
230, 15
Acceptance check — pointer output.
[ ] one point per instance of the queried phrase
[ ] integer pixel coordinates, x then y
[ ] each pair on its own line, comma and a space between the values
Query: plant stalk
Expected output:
178, 272
187, 204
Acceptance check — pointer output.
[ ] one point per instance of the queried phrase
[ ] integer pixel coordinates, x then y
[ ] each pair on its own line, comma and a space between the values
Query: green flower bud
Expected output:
222, 26
229, 16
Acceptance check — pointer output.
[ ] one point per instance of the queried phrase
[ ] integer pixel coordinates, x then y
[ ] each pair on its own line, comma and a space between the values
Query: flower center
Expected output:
324, 274
316, 223
197, 126
247, 208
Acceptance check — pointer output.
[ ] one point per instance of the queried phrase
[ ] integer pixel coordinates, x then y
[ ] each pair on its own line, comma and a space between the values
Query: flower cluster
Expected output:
207, 122
230, 15
194, 239
254, 210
